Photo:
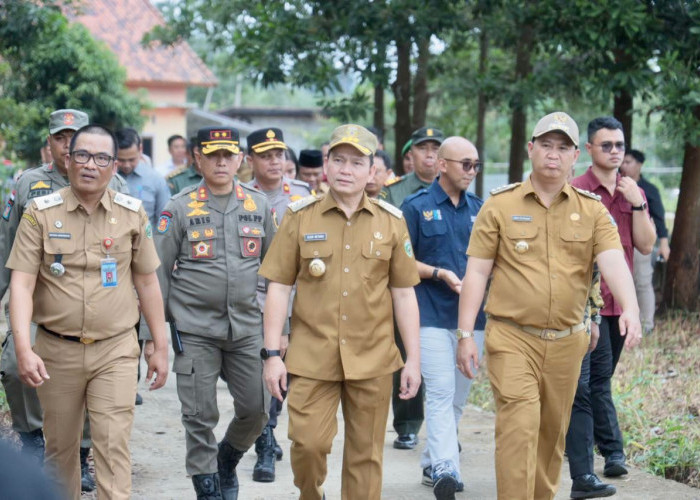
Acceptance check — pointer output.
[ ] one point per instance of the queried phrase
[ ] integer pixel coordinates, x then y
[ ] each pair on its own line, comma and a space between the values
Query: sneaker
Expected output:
406, 442
427, 478
444, 482
589, 486
615, 465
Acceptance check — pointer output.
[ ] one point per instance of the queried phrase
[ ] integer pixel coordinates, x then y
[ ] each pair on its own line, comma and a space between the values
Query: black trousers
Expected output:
593, 416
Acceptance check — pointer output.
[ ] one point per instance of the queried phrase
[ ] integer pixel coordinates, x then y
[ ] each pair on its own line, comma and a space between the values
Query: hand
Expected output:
630, 191
631, 328
284, 344
595, 335
275, 376
158, 365
148, 350
451, 279
31, 369
467, 357
410, 380
664, 248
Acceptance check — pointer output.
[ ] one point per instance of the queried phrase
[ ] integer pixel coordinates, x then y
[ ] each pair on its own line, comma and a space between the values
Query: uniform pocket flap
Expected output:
522, 231
576, 233
183, 365
433, 228
59, 245
374, 251
312, 251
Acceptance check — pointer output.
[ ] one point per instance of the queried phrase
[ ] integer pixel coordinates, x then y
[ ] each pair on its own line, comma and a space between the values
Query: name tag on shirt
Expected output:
315, 237
522, 218
108, 269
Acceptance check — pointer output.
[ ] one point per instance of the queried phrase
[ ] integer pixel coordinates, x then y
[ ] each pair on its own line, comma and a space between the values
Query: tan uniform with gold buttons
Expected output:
343, 332
97, 372
543, 265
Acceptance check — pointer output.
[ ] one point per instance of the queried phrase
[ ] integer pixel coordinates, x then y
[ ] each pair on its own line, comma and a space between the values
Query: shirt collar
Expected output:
72, 202
528, 188
329, 203
440, 196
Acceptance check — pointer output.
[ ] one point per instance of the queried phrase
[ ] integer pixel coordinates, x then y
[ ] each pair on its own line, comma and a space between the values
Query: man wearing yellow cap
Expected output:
211, 239
352, 261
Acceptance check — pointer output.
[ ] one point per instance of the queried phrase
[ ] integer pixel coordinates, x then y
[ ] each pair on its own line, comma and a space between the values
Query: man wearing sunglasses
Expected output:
593, 418
439, 220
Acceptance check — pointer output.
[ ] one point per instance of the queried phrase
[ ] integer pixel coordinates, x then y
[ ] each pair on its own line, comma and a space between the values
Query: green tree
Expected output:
47, 64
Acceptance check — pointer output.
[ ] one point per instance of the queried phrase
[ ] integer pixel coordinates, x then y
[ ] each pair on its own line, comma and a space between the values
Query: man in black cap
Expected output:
311, 169
425, 143
211, 239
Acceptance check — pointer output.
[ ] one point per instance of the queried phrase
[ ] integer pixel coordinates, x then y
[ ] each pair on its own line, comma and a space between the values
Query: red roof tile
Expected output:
121, 24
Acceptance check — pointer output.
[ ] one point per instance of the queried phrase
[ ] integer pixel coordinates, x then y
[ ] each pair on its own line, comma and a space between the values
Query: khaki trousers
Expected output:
99, 377
534, 382
313, 406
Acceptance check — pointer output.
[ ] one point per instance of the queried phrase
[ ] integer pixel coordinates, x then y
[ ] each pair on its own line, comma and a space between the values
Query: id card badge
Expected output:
108, 267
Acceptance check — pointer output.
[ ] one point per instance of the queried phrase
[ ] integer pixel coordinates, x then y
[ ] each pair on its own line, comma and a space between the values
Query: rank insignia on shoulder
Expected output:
389, 208
505, 188
304, 202
393, 181
587, 193
48, 201
127, 201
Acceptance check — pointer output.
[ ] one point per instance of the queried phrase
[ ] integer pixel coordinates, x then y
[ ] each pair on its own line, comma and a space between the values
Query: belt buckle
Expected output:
86, 341
548, 334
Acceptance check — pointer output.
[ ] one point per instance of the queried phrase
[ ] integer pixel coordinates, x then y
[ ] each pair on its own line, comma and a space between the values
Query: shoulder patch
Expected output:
588, 194
389, 208
304, 202
175, 172
505, 188
127, 201
48, 201
393, 180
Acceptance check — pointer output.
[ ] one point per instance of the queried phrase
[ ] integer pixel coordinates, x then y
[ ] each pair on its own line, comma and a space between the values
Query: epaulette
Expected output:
127, 201
175, 172
301, 184
48, 201
587, 193
393, 180
251, 188
388, 207
304, 202
505, 188
184, 191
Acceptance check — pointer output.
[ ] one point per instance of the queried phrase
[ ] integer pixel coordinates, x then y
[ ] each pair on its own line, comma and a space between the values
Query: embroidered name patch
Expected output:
522, 218
60, 236
315, 237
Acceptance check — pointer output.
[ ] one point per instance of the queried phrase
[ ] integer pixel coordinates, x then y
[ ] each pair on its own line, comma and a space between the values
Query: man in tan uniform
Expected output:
78, 255
351, 259
538, 241
215, 235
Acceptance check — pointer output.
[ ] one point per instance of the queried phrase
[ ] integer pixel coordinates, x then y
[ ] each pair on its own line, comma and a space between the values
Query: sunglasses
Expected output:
467, 165
607, 146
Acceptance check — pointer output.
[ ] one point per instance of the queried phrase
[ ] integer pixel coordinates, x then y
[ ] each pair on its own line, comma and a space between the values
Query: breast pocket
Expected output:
251, 236
576, 243
59, 249
202, 243
376, 257
316, 259
523, 241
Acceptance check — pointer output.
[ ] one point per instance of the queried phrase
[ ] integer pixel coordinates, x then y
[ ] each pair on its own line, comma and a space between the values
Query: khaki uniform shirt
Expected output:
403, 187
543, 257
33, 184
217, 252
342, 321
77, 303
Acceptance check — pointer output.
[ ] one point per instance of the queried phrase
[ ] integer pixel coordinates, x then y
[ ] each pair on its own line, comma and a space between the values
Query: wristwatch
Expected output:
436, 270
641, 207
267, 353
463, 334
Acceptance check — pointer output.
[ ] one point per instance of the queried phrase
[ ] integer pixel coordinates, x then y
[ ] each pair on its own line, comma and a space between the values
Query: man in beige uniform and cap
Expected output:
351, 259
538, 241
215, 235
78, 255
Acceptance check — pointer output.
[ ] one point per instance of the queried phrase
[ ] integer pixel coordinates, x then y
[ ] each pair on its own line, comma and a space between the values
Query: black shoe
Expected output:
87, 483
615, 466
278, 449
227, 460
406, 442
589, 486
445, 487
207, 486
33, 444
139, 400
264, 469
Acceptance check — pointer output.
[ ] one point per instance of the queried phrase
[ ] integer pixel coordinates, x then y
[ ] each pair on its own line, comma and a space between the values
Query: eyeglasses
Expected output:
101, 159
467, 165
607, 146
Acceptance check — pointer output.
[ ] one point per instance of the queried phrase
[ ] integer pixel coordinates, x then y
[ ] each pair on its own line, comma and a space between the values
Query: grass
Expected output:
656, 389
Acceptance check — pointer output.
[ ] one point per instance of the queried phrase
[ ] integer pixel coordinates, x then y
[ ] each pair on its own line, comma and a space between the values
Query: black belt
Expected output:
82, 340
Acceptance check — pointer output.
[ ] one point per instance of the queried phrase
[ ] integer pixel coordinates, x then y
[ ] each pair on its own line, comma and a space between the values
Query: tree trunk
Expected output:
683, 273
378, 120
402, 97
420, 85
481, 113
518, 123
622, 110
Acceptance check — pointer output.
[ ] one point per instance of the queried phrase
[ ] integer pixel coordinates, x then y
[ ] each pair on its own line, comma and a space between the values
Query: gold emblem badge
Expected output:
270, 134
317, 268
574, 216
378, 235
195, 234
249, 204
522, 247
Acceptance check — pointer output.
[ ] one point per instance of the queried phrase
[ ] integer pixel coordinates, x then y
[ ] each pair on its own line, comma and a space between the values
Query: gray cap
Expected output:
62, 119
557, 122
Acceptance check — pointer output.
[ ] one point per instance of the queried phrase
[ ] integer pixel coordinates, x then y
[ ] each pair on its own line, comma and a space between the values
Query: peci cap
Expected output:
311, 158
557, 122
62, 119
427, 134
356, 136
265, 139
212, 139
